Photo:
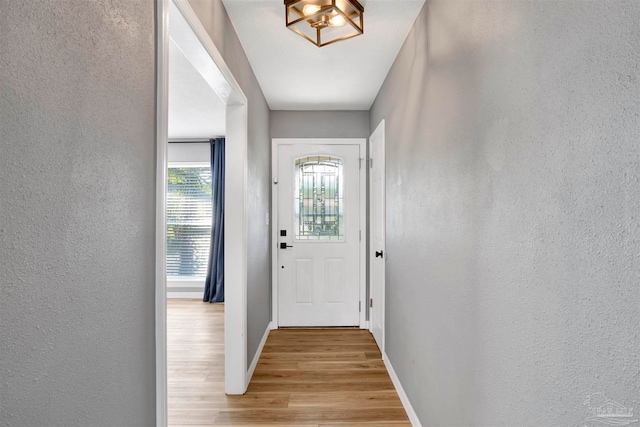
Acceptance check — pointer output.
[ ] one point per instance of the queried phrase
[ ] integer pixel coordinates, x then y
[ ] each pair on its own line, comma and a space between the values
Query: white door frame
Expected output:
362, 143
235, 312
380, 129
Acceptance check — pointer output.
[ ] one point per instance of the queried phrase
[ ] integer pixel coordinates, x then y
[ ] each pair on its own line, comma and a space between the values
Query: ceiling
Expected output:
296, 75
195, 110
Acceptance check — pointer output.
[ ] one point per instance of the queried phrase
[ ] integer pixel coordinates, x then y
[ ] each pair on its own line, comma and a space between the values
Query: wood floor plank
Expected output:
250, 425
305, 377
341, 365
347, 399
221, 401
324, 376
375, 354
319, 348
313, 356
324, 387
236, 424
311, 415
382, 423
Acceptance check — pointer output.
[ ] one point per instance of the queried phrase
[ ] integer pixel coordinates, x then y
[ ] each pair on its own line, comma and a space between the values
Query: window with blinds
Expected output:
188, 221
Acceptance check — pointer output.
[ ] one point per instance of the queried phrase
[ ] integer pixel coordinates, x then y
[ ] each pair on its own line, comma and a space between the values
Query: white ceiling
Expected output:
195, 110
296, 75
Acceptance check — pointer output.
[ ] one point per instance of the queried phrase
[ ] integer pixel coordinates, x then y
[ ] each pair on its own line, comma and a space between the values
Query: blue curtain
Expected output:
214, 284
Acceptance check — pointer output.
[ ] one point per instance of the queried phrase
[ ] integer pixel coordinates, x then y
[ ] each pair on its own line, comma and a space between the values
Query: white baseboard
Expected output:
413, 417
185, 282
254, 362
189, 295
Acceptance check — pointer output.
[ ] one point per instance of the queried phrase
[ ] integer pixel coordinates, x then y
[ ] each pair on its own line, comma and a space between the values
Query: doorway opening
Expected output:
179, 28
319, 210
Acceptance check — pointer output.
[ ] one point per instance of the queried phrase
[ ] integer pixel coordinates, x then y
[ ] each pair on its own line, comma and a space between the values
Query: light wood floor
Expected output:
305, 377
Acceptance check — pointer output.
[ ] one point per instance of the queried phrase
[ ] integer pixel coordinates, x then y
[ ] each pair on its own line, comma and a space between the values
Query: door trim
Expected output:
162, 147
382, 161
362, 143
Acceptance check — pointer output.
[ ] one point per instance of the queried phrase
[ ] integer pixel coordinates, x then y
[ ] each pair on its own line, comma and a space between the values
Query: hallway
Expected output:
311, 377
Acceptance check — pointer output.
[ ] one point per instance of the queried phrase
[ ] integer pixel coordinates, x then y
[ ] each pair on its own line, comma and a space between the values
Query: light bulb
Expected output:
310, 9
337, 21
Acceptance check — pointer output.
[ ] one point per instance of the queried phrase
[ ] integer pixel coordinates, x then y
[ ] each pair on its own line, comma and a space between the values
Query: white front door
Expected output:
377, 256
318, 232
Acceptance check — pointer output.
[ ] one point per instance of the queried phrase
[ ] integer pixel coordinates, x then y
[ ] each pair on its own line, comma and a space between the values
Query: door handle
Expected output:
379, 254
285, 246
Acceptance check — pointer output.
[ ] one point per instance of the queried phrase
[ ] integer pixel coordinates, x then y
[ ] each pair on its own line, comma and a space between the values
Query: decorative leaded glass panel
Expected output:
318, 198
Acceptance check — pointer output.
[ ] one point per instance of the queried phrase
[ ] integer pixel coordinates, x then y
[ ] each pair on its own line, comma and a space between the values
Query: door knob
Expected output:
285, 246
379, 254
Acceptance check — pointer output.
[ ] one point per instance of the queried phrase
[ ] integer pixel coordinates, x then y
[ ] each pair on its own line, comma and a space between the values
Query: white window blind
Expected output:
188, 221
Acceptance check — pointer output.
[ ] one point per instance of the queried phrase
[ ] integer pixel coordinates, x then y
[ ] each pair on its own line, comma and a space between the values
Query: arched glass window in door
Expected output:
319, 211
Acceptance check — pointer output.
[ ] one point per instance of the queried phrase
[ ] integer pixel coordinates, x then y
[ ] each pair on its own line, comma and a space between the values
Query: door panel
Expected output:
319, 224
377, 230
334, 282
304, 280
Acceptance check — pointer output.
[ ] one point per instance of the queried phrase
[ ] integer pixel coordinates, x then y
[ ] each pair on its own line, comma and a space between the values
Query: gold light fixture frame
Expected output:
319, 20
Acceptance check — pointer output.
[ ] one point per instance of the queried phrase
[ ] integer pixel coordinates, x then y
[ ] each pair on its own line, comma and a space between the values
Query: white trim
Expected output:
235, 251
256, 358
362, 143
186, 38
162, 146
185, 295
235, 210
189, 164
193, 140
229, 91
413, 417
185, 282
274, 234
379, 129
363, 233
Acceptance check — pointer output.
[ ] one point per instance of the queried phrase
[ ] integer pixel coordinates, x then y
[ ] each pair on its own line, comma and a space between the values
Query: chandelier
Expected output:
324, 22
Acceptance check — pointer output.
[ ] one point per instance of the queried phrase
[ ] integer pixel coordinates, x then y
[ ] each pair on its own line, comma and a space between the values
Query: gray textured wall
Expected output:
513, 210
320, 124
215, 19
77, 111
